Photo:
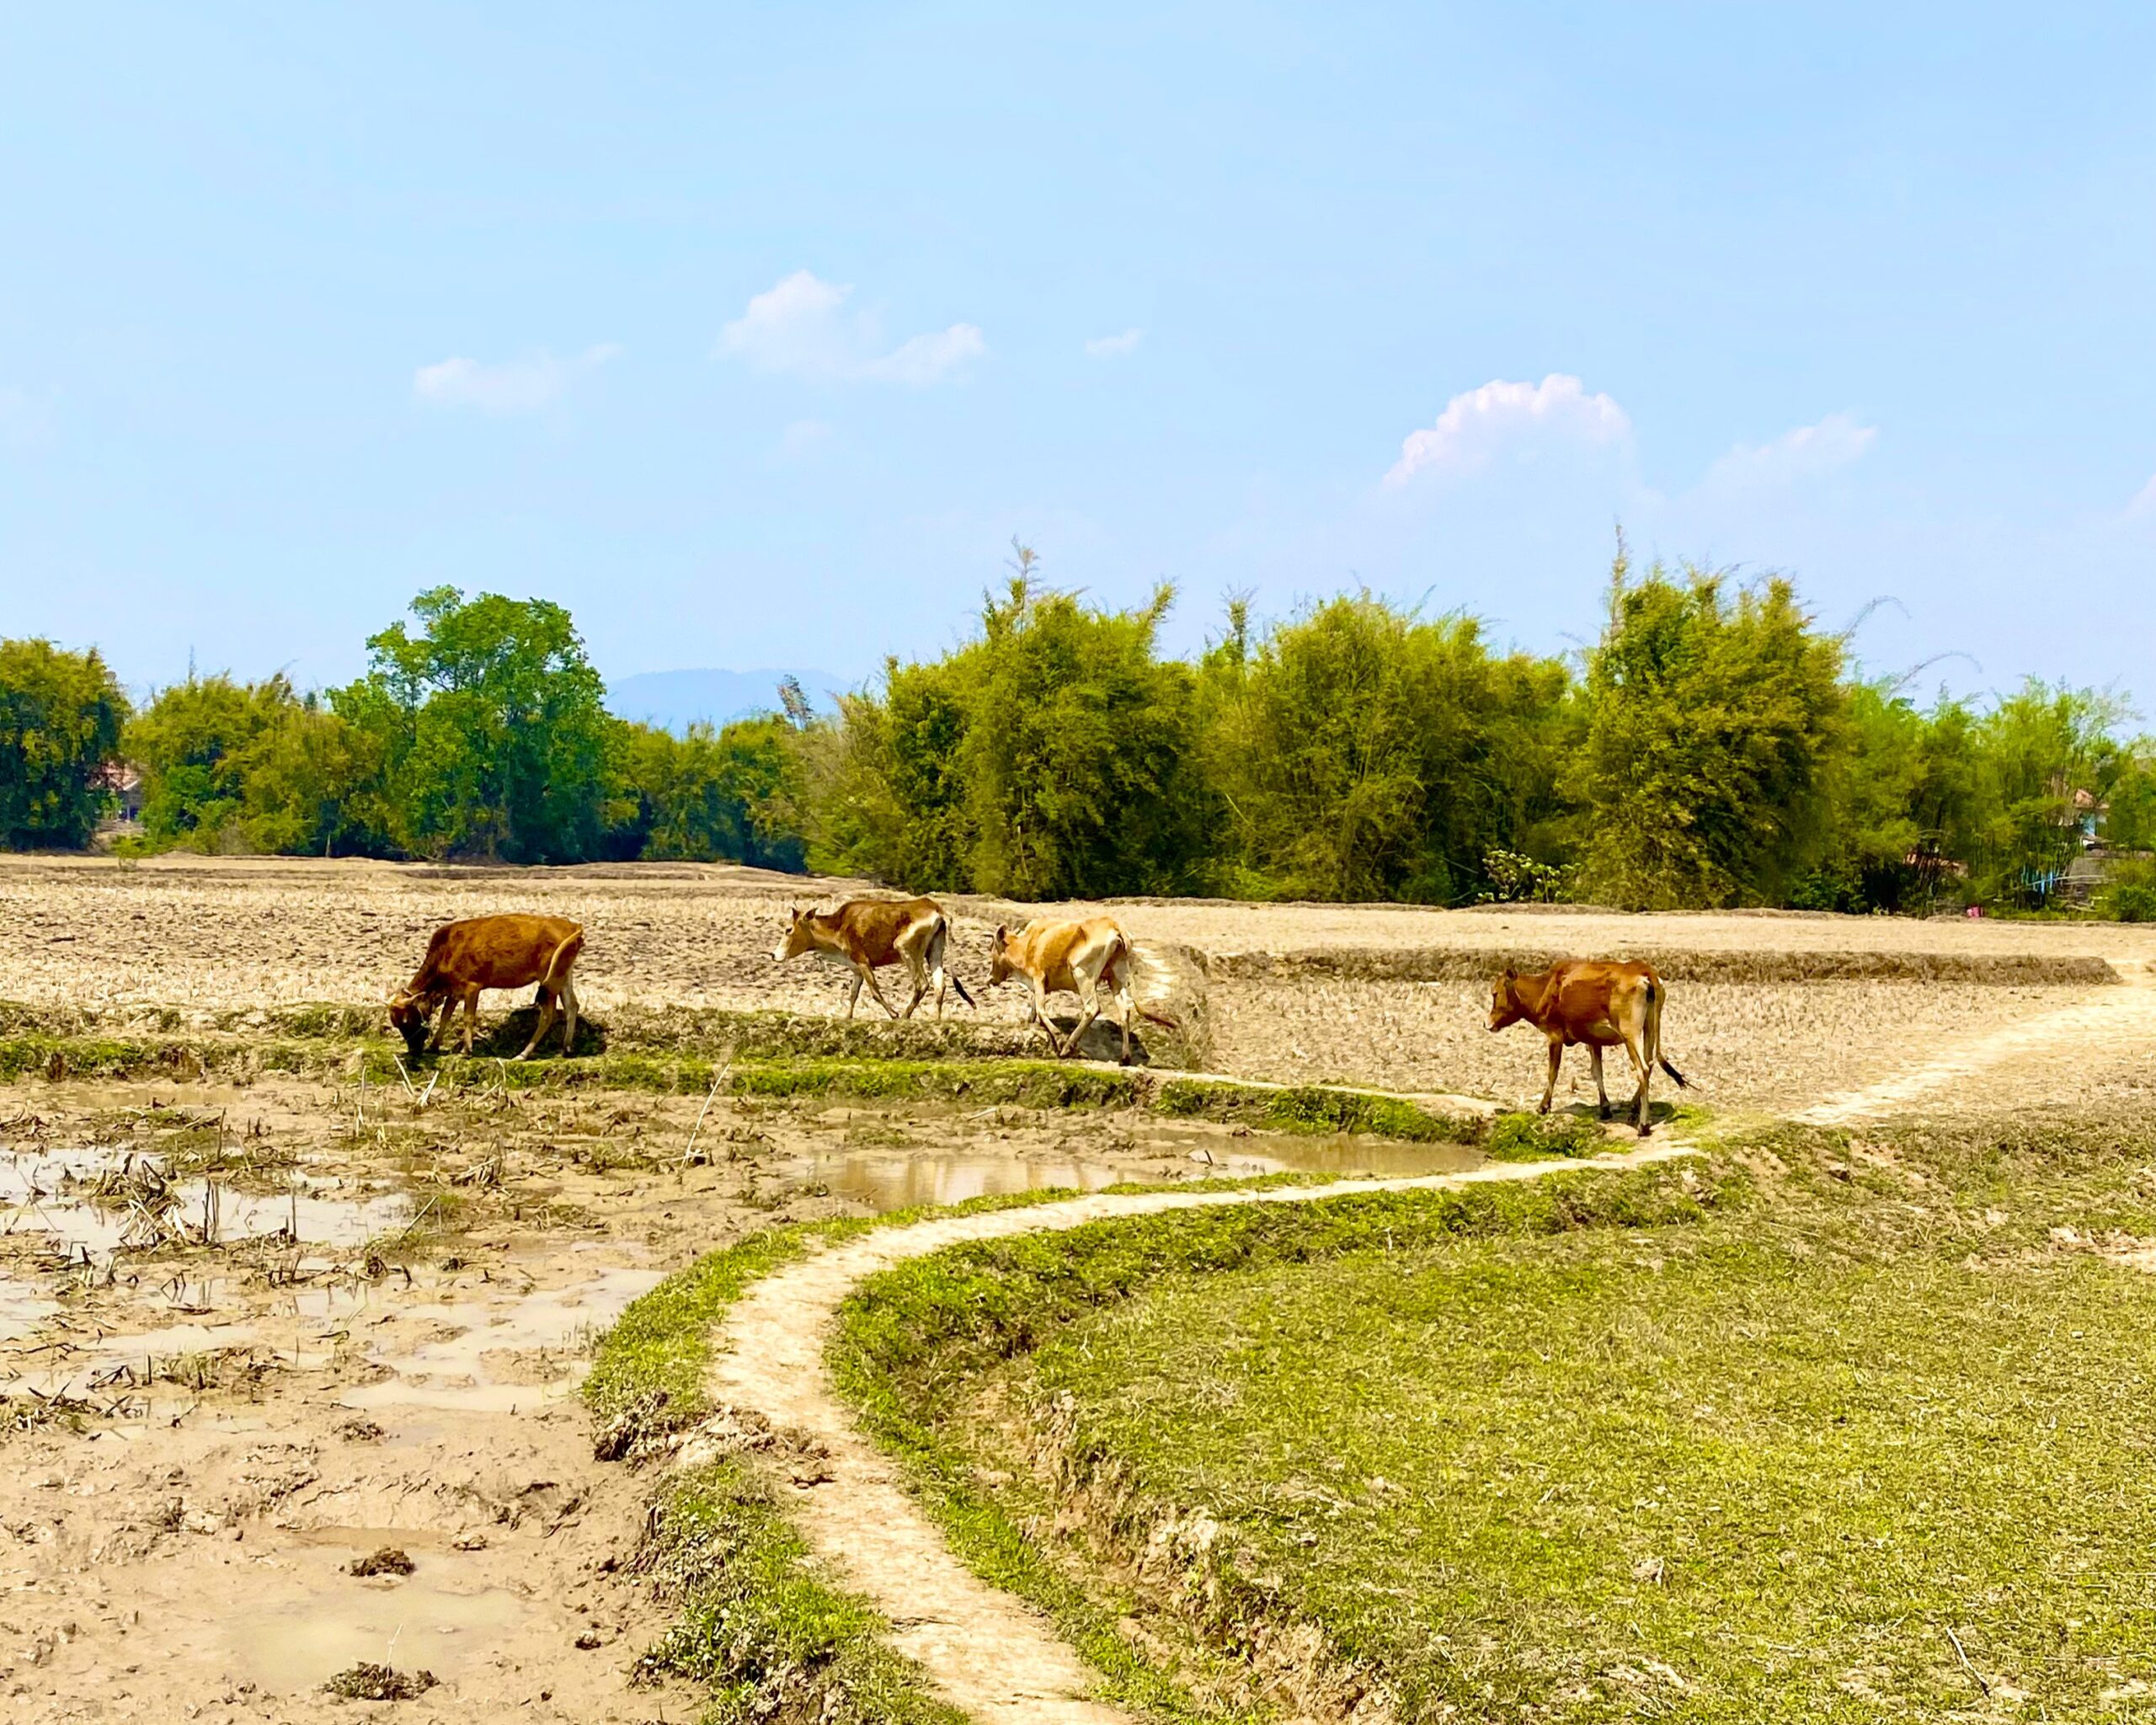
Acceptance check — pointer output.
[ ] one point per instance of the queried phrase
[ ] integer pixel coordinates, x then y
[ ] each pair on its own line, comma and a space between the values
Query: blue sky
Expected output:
752, 334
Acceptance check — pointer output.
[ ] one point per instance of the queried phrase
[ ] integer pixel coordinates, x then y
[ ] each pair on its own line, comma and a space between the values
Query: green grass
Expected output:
759, 1621
913, 1342
1733, 1461
1312, 1107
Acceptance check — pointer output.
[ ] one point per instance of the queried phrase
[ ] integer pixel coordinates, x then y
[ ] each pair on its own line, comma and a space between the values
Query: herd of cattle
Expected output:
1595, 1003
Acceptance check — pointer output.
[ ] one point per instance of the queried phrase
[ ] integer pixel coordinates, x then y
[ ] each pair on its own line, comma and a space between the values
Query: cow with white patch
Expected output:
863, 935
1091, 958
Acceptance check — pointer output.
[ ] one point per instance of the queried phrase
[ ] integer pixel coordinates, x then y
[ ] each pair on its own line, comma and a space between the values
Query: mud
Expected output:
374, 1340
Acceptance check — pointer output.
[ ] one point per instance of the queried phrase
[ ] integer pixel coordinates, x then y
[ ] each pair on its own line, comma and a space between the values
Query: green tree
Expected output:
492, 734
1714, 714
1367, 754
257, 767
61, 719
2047, 757
724, 796
1052, 756
1078, 758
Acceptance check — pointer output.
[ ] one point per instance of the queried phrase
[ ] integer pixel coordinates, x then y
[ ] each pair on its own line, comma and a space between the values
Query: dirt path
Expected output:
992, 1654
2106, 1020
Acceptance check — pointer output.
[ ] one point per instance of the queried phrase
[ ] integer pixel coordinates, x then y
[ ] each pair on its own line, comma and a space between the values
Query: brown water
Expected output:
889, 1180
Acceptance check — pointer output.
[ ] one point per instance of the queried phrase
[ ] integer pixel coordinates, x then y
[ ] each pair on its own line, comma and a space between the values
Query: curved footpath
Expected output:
993, 1655
2121, 1015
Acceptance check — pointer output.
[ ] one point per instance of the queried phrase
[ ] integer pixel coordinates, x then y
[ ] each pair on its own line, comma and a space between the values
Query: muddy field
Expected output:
251, 1336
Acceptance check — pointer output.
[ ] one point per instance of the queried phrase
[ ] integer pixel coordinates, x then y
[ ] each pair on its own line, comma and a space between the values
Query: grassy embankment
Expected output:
1874, 1445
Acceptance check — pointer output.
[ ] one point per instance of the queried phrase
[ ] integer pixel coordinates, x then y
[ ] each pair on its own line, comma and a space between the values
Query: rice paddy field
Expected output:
747, 1365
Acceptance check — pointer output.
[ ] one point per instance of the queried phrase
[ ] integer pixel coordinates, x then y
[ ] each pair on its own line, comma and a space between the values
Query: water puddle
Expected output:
477, 1369
89, 1204
889, 1180
413, 1625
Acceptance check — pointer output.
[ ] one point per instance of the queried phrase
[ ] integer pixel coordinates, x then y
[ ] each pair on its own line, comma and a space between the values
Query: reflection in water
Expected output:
416, 1624
453, 1372
888, 1180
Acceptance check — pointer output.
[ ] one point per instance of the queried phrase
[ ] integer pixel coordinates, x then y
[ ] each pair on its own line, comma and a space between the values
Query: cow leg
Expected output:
545, 1003
853, 999
876, 990
1557, 1060
919, 972
568, 1000
1039, 996
1640, 1102
441, 1023
471, 1018
1601, 1095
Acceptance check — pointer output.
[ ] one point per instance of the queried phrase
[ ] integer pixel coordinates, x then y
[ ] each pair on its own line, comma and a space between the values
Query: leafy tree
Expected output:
1367, 754
229, 766
709, 796
1714, 716
1053, 756
492, 729
2044, 752
1078, 757
60, 716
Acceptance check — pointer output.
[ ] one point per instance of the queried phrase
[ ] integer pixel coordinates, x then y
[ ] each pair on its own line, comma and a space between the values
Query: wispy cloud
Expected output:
1114, 347
2142, 508
519, 386
1479, 424
803, 437
1804, 452
800, 327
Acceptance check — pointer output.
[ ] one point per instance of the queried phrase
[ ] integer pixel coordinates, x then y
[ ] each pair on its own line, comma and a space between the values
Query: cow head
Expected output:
408, 1016
1504, 1001
1001, 966
797, 941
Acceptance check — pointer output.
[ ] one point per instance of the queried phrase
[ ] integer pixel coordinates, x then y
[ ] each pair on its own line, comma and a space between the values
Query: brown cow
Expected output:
1599, 1003
863, 934
1075, 958
490, 952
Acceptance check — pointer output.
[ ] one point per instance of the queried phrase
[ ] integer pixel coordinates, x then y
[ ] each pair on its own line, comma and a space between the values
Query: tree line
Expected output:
1715, 746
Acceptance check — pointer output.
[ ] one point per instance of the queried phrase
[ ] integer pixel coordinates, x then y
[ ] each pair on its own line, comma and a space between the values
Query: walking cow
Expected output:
864, 934
1597, 1002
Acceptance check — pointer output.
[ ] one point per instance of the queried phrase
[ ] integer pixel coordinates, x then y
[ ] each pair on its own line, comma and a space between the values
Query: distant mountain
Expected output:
675, 700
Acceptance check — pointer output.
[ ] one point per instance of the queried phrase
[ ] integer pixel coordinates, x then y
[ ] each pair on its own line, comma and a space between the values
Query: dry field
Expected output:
1767, 1011
214, 1402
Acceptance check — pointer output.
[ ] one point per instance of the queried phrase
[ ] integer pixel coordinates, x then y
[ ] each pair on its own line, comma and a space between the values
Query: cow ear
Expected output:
1511, 975
1003, 934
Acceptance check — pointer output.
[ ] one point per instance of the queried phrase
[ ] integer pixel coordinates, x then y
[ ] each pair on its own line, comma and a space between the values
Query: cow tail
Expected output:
941, 949
573, 946
1656, 994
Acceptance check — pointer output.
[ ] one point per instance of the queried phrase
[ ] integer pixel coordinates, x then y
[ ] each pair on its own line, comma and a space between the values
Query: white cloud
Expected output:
1114, 347
928, 359
1481, 424
799, 326
2143, 506
1806, 453
519, 385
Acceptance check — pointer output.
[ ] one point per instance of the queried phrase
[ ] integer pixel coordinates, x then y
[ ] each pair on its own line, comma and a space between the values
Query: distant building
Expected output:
122, 781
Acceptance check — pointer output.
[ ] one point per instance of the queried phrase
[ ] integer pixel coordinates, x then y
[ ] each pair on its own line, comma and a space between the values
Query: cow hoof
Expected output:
1647, 1131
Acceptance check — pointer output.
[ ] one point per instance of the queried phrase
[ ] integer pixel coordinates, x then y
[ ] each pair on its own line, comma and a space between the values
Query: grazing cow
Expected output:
1598, 1003
866, 933
491, 952
1083, 959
